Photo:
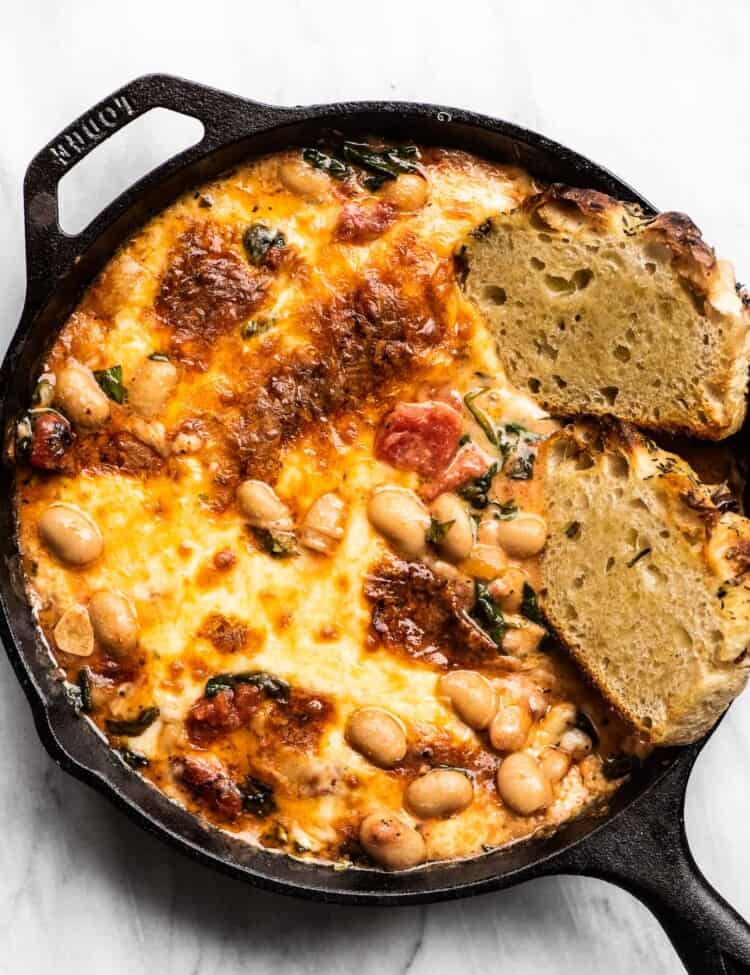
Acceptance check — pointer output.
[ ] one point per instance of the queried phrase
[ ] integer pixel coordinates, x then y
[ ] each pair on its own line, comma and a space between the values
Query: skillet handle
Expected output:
49, 250
647, 854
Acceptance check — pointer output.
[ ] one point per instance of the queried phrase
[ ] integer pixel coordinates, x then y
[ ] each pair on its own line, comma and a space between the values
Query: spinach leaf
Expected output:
530, 606
110, 381
257, 797
486, 424
385, 163
278, 544
515, 443
476, 491
436, 531
258, 240
488, 614
132, 727
133, 759
329, 164
271, 686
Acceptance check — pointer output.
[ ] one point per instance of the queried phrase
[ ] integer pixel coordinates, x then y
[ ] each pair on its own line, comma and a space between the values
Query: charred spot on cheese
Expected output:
206, 289
227, 635
423, 616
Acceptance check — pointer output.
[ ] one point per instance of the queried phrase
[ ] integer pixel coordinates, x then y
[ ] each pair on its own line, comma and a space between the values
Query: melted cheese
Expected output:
307, 618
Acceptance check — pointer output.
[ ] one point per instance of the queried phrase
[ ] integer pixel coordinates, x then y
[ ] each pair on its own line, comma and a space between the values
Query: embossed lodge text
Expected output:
92, 129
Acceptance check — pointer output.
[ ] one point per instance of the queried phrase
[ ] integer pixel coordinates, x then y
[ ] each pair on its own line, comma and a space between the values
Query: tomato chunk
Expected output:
470, 462
420, 437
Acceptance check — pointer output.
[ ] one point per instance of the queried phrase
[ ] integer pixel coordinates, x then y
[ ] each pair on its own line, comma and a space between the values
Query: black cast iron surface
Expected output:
641, 843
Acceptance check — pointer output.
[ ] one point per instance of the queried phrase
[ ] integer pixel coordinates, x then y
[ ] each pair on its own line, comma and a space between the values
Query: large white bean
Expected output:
391, 842
522, 784
471, 695
523, 536
262, 508
79, 396
441, 792
151, 387
456, 537
408, 192
70, 534
510, 726
303, 179
378, 735
114, 621
323, 526
398, 514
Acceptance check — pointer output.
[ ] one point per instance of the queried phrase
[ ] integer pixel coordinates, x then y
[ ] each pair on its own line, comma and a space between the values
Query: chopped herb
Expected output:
585, 724
257, 797
258, 240
436, 531
530, 605
130, 728
329, 164
488, 614
573, 530
480, 416
110, 381
271, 686
83, 682
385, 163
618, 766
133, 759
505, 510
476, 491
159, 357
464, 439
256, 327
636, 558
278, 544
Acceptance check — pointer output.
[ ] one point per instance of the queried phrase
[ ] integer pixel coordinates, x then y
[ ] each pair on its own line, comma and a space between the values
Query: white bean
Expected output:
510, 726
378, 735
303, 179
398, 514
471, 696
440, 792
409, 191
390, 841
523, 536
262, 508
79, 396
70, 534
457, 535
522, 784
323, 527
114, 621
151, 387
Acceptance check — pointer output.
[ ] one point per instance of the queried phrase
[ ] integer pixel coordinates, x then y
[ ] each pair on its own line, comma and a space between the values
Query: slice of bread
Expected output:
645, 578
598, 309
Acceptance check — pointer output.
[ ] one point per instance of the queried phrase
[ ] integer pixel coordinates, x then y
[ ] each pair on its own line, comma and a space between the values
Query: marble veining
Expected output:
654, 91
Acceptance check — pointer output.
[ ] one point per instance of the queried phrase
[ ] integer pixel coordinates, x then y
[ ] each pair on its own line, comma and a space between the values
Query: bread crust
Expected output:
669, 277
676, 707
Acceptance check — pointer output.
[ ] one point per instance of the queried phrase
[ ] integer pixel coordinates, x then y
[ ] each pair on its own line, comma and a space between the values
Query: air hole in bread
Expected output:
584, 461
559, 285
616, 466
495, 294
534, 385
570, 611
610, 393
582, 278
622, 353
610, 564
579, 581
650, 267
537, 264
560, 381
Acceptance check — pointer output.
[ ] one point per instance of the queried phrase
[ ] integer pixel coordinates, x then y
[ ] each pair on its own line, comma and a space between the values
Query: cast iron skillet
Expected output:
640, 845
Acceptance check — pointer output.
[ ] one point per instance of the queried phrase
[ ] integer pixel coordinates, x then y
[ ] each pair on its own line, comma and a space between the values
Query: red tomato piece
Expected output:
419, 437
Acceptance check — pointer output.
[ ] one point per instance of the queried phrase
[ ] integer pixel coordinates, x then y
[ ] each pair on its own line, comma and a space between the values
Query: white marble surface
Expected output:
658, 92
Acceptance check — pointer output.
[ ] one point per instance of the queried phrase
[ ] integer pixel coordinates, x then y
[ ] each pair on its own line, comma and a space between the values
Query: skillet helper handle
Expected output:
647, 854
49, 250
